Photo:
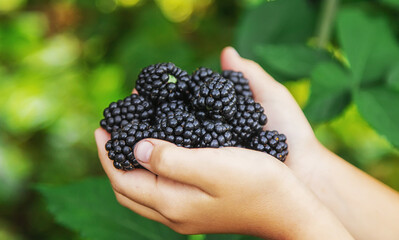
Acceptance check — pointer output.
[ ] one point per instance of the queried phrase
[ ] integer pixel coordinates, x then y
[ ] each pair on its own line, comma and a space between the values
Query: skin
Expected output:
358, 200
232, 190
214, 191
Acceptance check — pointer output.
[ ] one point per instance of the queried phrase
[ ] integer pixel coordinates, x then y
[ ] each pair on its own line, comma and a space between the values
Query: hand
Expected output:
364, 202
284, 114
228, 190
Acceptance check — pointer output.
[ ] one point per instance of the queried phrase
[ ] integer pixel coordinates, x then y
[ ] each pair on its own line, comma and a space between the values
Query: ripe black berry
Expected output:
124, 111
272, 143
163, 81
121, 146
216, 97
216, 134
249, 118
179, 127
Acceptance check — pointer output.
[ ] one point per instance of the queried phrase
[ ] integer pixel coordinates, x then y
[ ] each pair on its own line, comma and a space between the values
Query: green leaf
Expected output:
279, 22
379, 107
393, 78
393, 3
90, 207
296, 61
368, 42
329, 93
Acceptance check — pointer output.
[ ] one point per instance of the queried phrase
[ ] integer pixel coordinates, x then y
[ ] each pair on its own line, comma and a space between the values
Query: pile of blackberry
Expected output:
204, 109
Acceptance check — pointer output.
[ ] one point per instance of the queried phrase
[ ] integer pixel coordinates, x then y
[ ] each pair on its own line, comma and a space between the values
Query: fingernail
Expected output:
234, 51
143, 151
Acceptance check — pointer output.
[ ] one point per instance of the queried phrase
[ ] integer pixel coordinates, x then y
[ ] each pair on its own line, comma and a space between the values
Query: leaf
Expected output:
393, 78
274, 22
379, 107
393, 3
296, 61
330, 92
369, 44
90, 207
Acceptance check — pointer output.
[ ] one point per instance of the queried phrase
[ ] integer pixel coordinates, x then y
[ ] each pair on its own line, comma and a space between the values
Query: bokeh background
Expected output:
63, 61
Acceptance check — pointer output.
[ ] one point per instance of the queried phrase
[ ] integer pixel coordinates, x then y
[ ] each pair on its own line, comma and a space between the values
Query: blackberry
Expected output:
121, 146
271, 142
215, 134
216, 97
124, 111
179, 127
172, 106
199, 76
241, 85
163, 81
249, 118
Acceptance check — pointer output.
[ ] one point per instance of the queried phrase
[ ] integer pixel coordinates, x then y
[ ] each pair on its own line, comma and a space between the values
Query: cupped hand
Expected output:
283, 112
228, 190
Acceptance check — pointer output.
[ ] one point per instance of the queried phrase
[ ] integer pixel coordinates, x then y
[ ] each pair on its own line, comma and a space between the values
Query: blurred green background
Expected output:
62, 62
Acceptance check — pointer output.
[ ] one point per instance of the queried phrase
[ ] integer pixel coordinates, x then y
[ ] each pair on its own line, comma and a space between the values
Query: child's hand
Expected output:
218, 191
358, 200
284, 114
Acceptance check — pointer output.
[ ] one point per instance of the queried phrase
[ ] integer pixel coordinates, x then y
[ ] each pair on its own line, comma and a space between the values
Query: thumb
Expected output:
192, 166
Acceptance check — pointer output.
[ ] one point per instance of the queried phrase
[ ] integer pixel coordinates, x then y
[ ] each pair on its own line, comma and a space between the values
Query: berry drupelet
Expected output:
272, 143
163, 81
124, 111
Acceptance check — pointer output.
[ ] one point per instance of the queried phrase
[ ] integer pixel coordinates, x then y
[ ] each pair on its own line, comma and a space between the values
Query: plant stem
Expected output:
326, 22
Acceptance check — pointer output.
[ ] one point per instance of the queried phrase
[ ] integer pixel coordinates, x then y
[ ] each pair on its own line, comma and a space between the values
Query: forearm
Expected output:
358, 200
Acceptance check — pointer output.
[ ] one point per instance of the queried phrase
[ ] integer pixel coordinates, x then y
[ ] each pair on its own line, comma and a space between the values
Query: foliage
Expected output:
62, 62
90, 207
370, 54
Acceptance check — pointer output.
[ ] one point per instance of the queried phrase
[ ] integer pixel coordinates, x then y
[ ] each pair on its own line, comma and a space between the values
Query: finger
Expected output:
198, 167
189, 166
140, 209
146, 189
260, 82
135, 91
139, 185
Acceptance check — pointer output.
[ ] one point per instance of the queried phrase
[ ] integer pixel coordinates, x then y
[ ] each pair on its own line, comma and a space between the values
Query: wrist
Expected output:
307, 164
